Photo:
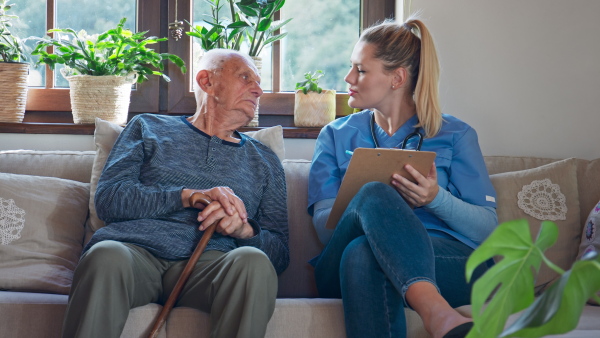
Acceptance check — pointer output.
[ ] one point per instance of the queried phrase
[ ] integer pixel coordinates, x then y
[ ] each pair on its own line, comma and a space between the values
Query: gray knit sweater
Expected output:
155, 157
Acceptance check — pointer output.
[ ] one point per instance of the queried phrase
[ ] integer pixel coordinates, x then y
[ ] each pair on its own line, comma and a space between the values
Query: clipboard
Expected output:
376, 165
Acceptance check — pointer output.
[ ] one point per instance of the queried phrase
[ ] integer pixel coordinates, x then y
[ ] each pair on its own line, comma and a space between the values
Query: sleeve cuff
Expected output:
438, 200
254, 240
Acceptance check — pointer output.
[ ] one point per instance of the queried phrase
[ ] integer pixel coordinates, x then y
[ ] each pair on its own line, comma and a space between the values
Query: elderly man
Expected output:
156, 164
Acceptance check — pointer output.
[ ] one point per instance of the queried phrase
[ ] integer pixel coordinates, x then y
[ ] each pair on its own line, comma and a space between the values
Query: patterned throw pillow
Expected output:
590, 241
41, 232
545, 193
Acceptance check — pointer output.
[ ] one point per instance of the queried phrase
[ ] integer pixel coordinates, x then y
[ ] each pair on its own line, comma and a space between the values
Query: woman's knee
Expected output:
379, 195
358, 258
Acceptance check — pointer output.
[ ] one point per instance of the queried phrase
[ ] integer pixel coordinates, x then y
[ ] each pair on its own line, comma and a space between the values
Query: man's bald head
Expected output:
214, 61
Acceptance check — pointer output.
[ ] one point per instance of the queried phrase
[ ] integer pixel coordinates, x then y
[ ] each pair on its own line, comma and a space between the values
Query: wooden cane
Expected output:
195, 197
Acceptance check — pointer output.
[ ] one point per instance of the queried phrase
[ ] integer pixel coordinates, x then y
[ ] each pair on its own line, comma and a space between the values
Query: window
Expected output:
48, 90
284, 63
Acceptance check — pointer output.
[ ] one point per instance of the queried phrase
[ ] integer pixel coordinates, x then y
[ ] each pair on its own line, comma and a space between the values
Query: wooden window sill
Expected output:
62, 123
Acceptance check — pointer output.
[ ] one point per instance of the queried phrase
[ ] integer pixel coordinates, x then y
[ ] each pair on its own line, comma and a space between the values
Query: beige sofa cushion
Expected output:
41, 229
548, 192
106, 135
298, 279
70, 165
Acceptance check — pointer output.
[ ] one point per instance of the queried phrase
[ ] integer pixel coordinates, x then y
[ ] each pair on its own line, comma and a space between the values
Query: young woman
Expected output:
405, 244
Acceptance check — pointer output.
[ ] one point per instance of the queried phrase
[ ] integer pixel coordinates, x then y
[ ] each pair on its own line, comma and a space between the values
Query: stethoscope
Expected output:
415, 133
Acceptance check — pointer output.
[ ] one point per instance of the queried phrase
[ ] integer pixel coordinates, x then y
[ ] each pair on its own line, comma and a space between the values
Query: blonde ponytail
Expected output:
411, 46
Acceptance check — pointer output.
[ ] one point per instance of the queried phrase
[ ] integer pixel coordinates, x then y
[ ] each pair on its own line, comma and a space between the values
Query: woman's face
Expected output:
369, 84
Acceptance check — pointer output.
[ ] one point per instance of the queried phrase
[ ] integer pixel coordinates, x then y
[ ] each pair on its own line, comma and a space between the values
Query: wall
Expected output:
524, 74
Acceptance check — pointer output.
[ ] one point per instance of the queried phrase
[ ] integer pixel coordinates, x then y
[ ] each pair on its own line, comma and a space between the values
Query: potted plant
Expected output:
101, 68
314, 106
14, 73
250, 25
250, 21
508, 287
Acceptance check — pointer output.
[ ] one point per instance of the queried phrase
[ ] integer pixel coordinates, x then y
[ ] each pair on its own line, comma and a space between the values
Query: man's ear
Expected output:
204, 80
400, 77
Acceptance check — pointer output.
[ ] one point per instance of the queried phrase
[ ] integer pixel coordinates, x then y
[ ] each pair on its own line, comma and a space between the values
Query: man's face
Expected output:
237, 88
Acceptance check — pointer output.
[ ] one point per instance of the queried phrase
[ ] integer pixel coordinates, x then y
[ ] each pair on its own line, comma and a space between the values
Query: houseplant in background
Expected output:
249, 27
101, 68
13, 72
313, 106
508, 287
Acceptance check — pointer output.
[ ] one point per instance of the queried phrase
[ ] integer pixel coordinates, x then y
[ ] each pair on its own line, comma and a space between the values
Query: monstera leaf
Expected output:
511, 280
508, 287
558, 309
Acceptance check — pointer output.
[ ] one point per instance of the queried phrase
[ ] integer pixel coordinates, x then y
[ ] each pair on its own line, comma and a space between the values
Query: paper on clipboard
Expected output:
376, 165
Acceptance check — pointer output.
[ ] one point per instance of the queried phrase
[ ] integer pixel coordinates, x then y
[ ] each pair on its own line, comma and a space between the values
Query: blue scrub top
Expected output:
460, 166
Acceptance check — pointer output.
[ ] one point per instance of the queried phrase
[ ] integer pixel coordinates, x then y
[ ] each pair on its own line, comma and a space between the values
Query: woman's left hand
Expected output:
420, 193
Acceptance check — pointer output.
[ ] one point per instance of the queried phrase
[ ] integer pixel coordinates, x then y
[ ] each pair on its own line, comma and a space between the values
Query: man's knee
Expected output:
253, 263
105, 256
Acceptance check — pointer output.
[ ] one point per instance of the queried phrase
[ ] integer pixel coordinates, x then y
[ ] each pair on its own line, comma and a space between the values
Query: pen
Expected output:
349, 152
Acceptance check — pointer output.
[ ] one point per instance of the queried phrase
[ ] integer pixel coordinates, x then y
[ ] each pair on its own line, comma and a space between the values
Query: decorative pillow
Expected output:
41, 231
106, 135
272, 137
544, 193
590, 241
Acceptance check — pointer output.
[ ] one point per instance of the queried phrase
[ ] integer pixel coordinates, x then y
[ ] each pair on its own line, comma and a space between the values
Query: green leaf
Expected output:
558, 309
278, 24
280, 4
511, 279
248, 11
263, 25
238, 24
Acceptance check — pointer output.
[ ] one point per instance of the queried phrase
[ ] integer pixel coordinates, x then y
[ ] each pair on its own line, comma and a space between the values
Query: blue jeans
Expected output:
378, 249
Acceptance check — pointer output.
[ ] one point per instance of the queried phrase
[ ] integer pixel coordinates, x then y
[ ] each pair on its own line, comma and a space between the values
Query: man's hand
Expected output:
229, 201
227, 225
421, 193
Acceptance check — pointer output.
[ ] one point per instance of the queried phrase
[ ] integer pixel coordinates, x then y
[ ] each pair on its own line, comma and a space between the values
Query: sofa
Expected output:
36, 310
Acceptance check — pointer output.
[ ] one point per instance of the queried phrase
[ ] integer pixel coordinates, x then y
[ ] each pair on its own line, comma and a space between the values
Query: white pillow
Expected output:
41, 231
272, 137
106, 135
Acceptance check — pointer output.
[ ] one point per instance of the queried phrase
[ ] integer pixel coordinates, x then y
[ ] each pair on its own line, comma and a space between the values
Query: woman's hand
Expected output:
230, 202
421, 193
227, 225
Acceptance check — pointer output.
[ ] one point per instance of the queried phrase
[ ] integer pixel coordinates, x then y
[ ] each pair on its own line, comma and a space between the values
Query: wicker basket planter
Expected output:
106, 97
314, 109
13, 91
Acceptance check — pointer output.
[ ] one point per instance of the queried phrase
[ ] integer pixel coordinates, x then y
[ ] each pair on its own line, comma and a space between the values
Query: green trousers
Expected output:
237, 288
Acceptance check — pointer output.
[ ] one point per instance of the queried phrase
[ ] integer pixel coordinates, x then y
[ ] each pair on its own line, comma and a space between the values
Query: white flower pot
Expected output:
314, 109
106, 97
